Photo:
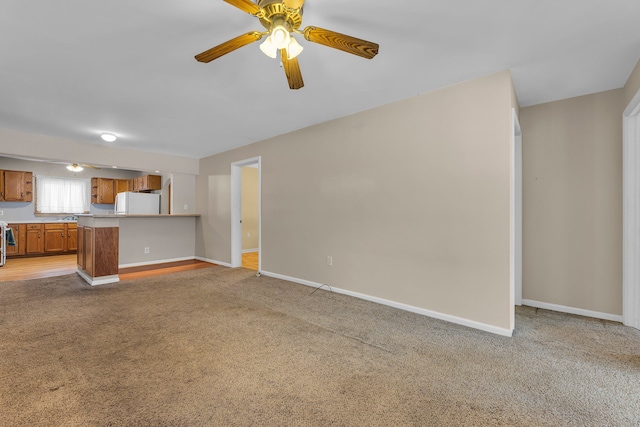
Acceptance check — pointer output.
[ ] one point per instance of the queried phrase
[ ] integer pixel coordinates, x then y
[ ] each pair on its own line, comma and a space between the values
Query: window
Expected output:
62, 195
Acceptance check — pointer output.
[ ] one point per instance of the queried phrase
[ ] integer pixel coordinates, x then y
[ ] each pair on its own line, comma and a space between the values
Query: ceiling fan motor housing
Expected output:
274, 9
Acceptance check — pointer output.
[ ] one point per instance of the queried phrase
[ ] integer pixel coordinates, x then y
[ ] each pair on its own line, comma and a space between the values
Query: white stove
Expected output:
3, 241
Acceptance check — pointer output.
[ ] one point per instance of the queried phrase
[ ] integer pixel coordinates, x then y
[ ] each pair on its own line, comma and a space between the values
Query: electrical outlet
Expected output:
248, 235
146, 250
186, 206
1, 212
329, 260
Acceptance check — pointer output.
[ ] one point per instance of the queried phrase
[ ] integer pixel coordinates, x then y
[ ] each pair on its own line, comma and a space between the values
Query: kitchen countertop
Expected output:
138, 216
42, 221
68, 221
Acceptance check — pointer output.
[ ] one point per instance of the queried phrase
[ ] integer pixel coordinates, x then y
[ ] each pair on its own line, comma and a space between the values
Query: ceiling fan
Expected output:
282, 18
75, 167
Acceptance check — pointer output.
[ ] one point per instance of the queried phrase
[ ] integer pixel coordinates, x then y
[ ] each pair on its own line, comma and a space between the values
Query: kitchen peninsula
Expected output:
107, 243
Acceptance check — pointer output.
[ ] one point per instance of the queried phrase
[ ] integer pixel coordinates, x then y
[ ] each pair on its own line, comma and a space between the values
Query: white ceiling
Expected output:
74, 68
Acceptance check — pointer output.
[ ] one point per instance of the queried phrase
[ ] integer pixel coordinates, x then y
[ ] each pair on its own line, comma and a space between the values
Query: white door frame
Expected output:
236, 210
631, 214
516, 211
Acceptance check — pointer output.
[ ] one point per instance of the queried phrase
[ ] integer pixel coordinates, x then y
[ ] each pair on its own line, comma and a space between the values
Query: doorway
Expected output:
246, 214
631, 214
516, 232
516, 214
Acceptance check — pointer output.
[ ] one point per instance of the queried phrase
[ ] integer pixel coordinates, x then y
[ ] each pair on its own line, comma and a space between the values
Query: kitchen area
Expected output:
136, 206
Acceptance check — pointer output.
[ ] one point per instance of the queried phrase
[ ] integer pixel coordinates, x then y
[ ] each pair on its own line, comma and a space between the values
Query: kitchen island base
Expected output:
108, 242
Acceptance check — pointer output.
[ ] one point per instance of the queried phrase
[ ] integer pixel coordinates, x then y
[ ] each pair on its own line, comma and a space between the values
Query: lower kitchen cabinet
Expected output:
34, 244
60, 237
37, 239
20, 236
72, 237
55, 237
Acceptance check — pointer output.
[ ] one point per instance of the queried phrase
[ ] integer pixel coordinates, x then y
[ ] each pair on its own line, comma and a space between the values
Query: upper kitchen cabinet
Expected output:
147, 183
102, 191
16, 186
122, 185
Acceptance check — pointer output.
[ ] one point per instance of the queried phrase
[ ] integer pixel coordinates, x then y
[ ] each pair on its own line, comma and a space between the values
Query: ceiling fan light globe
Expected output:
294, 49
268, 48
75, 168
280, 37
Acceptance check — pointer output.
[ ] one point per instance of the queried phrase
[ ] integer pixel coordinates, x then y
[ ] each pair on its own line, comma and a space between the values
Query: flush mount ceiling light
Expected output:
282, 18
74, 167
108, 137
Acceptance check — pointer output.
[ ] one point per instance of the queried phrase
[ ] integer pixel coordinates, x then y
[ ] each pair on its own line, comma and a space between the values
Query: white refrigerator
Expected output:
130, 203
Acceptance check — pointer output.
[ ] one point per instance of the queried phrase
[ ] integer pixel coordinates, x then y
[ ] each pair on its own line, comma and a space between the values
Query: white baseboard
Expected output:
213, 261
246, 251
160, 261
94, 281
572, 310
412, 309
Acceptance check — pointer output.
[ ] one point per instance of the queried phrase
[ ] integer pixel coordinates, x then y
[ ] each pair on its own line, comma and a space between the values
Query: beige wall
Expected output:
411, 200
169, 238
16, 144
183, 192
632, 86
249, 208
572, 185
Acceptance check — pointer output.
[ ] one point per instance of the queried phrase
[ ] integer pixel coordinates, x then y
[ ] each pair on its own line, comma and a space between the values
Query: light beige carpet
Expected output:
221, 347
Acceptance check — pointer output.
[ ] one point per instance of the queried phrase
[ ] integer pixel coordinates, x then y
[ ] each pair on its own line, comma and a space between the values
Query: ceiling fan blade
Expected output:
228, 46
292, 70
343, 42
246, 5
89, 166
293, 4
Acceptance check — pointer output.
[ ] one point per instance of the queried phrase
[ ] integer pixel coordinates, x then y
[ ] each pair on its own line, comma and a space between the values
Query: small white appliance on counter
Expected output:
130, 203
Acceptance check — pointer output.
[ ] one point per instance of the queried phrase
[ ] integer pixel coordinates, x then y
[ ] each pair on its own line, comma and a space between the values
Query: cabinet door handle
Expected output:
61, 234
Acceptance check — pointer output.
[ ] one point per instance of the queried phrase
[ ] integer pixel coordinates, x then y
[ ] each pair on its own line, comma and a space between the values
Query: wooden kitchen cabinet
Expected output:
147, 183
55, 237
16, 186
151, 182
19, 233
72, 237
102, 191
34, 241
43, 239
122, 185
60, 237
